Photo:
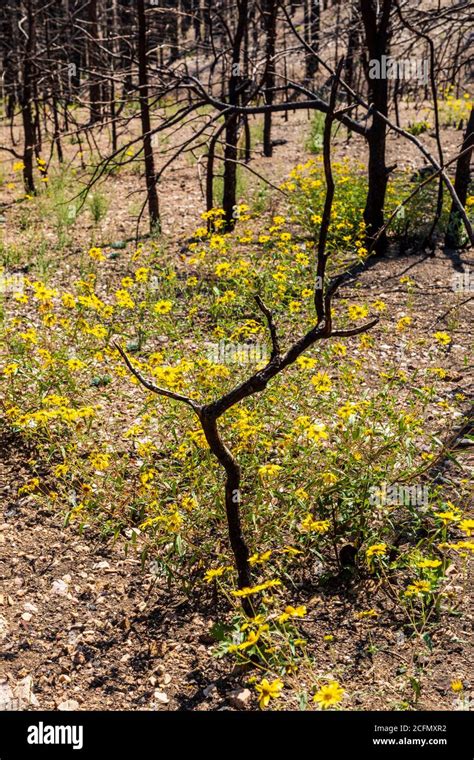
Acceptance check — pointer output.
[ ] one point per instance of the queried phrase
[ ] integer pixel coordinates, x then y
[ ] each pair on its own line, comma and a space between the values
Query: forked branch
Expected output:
209, 413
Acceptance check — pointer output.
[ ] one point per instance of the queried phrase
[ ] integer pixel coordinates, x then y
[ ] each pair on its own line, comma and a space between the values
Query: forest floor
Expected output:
83, 627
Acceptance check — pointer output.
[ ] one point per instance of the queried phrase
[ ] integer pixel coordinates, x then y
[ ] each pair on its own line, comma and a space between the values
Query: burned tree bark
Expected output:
461, 185
94, 87
153, 207
208, 414
377, 38
229, 198
313, 30
269, 19
26, 101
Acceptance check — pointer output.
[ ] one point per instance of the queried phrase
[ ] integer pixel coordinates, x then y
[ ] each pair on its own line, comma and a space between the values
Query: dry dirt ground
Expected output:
82, 627
182, 190
80, 621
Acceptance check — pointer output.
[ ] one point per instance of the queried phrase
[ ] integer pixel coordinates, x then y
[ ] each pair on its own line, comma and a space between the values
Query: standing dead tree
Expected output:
232, 120
270, 19
374, 214
461, 185
377, 39
94, 60
237, 58
152, 194
209, 414
26, 94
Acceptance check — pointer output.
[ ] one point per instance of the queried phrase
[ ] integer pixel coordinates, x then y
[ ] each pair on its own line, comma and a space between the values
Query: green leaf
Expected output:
428, 641
101, 381
219, 631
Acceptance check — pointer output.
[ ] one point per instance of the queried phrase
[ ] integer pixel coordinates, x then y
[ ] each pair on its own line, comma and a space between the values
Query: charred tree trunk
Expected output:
269, 18
8, 28
94, 87
153, 208
461, 185
55, 98
210, 170
229, 199
377, 38
57, 131
248, 142
238, 544
37, 117
314, 23
26, 103
113, 110
352, 44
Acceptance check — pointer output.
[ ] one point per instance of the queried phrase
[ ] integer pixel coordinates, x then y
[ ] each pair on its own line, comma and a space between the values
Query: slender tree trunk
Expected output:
210, 169
94, 87
57, 131
314, 22
197, 20
461, 185
352, 44
8, 31
377, 38
229, 199
153, 208
270, 16
113, 114
306, 11
26, 97
395, 102
232, 499
248, 141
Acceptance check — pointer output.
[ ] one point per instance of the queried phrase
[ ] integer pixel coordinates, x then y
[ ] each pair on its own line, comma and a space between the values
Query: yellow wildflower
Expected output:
267, 691
328, 695
96, 254
442, 338
163, 307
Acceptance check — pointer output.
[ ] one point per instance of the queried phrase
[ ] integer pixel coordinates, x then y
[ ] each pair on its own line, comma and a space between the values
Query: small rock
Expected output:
6, 698
166, 679
26, 617
162, 697
157, 648
209, 689
23, 692
207, 638
3, 627
59, 587
240, 698
69, 704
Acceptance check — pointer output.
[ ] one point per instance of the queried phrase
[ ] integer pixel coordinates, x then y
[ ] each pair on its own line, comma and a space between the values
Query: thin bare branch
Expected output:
155, 388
